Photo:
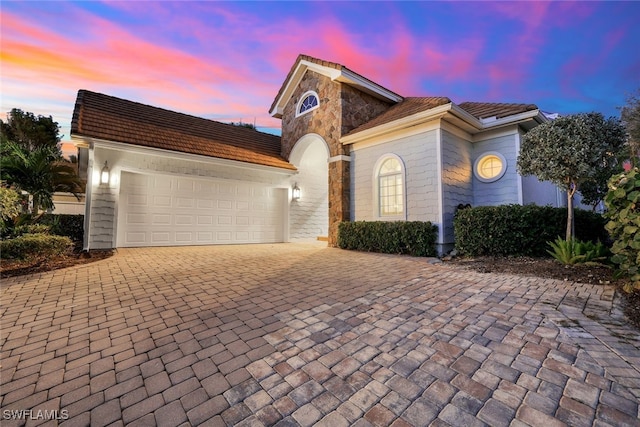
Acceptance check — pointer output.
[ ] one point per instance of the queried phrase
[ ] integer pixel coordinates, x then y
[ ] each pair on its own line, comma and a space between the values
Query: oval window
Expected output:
490, 167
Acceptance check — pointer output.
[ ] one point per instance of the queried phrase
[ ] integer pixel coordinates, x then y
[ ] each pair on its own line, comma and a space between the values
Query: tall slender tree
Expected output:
571, 151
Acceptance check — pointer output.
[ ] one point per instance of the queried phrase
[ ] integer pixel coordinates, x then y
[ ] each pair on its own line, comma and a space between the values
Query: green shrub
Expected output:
31, 229
520, 230
623, 204
416, 238
577, 252
30, 246
71, 226
9, 208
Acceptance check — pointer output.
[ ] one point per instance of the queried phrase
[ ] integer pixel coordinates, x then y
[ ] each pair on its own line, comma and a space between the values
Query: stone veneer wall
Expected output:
341, 109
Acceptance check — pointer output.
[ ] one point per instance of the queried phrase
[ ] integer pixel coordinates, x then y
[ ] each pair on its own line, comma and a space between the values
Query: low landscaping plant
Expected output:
570, 252
516, 230
415, 238
32, 246
68, 225
623, 204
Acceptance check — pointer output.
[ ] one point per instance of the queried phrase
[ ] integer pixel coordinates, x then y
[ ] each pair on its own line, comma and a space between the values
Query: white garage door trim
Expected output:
170, 210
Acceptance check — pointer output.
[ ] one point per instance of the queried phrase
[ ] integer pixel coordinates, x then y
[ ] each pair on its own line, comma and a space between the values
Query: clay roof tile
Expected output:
113, 119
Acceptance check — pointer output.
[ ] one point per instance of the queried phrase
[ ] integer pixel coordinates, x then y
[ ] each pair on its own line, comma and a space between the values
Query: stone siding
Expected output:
358, 108
342, 108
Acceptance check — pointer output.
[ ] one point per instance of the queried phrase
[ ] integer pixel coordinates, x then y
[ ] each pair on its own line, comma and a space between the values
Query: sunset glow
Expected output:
227, 60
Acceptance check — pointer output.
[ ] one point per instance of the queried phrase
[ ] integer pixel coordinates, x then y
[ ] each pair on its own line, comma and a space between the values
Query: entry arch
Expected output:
309, 215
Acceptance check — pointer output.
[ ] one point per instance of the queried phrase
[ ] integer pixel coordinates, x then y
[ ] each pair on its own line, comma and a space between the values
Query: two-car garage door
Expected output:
163, 210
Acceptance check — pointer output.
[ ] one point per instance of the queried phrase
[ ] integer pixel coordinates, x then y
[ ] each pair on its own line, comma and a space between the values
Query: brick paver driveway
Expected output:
297, 334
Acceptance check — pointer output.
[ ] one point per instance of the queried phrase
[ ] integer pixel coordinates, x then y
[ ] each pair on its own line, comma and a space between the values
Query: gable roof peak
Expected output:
333, 70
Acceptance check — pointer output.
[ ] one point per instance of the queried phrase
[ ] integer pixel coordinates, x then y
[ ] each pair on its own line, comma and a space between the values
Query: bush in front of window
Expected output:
517, 230
416, 238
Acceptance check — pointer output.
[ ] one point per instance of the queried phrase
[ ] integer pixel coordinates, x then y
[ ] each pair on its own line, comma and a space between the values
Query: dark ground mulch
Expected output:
10, 268
537, 267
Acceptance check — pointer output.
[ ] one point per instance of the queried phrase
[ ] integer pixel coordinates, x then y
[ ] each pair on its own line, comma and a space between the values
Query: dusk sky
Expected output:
226, 60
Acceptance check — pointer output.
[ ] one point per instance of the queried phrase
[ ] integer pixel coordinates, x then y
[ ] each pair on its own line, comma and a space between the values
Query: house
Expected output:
350, 148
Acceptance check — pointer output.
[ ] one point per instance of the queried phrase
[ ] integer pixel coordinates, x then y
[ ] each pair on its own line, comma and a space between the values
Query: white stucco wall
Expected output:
419, 156
103, 200
309, 216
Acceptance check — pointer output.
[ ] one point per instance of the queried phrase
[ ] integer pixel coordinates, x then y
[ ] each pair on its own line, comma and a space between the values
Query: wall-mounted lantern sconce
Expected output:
105, 174
295, 195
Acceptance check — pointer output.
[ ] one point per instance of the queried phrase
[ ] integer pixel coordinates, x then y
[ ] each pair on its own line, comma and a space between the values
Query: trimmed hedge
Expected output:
29, 246
416, 238
520, 230
71, 226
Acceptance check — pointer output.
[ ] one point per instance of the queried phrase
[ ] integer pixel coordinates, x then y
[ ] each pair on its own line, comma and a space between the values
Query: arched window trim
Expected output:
376, 189
483, 157
302, 98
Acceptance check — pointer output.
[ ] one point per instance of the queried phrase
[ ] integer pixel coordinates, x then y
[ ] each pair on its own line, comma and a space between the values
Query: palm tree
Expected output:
39, 172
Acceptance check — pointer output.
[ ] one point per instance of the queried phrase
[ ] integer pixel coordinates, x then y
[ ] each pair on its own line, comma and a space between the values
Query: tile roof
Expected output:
106, 117
481, 110
405, 108
321, 62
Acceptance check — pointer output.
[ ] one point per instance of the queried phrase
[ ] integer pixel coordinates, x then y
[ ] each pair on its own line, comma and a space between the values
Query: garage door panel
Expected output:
184, 237
226, 188
205, 204
169, 210
161, 182
138, 200
225, 204
164, 219
162, 201
160, 237
136, 219
183, 202
136, 238
205, 220
183, 219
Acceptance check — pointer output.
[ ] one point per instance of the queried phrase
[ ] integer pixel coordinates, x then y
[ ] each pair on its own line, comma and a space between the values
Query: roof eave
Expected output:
403, 123
93, 142
528, 119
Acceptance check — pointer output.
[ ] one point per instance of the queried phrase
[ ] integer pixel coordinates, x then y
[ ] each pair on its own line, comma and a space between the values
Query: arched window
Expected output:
390, 187
309, 101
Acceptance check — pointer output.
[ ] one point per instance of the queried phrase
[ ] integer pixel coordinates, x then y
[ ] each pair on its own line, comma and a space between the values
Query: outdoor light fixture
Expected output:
104, 174
295, 192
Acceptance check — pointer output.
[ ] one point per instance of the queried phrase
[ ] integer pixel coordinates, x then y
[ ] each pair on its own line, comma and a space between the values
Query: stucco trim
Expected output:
439, 188
100, 143
339, 158
405, 122
398, 134
518, 176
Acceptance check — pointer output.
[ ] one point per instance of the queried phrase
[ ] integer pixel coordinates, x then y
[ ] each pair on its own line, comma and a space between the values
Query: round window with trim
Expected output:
490, 167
